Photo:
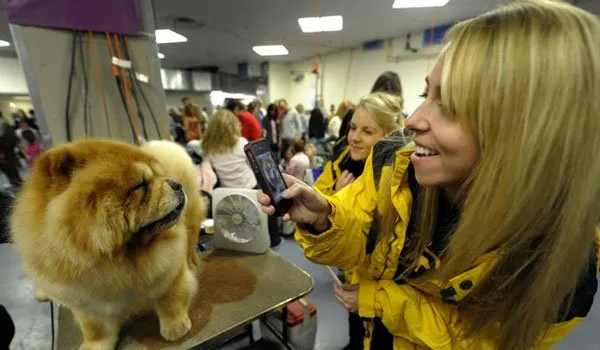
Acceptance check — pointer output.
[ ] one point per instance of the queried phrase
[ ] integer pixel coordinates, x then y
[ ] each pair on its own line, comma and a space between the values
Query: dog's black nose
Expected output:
174, 185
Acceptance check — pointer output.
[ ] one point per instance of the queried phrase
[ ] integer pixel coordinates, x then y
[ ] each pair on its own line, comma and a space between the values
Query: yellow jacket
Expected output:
419, 316
331, 172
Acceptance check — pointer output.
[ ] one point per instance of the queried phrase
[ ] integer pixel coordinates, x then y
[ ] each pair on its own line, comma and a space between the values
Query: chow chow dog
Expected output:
109, 230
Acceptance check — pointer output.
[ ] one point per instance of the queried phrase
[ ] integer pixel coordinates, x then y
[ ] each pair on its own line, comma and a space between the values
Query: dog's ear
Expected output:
57, 166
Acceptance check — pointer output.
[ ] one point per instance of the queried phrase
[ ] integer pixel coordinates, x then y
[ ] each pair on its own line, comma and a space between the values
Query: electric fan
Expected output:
239, 222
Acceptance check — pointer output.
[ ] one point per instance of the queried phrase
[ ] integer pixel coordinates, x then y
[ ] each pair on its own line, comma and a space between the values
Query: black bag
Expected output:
6, 202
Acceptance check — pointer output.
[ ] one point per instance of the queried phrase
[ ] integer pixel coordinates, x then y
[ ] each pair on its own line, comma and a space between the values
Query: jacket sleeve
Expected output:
427, 321
256, 129
343, 245
326, 181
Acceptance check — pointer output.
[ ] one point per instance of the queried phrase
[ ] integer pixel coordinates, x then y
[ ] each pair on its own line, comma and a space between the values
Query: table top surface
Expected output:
278, 282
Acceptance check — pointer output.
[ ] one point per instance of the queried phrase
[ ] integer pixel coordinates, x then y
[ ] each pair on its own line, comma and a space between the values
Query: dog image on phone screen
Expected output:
272, 175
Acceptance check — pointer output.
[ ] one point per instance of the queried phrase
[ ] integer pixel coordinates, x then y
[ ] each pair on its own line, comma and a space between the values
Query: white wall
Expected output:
350, 74
279, 80
12, 79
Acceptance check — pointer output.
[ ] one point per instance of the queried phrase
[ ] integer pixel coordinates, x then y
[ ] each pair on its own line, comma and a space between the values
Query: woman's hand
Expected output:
344, 180
347, 295
308, 206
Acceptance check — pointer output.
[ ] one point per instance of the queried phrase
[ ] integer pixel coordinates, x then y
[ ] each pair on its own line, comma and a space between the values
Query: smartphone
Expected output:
263, 163
334, 276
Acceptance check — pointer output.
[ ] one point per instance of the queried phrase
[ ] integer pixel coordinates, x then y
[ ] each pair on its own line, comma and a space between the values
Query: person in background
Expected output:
32, 121
224, 147
204, 113
375, 116
331, 112
480, 234
8, 159
251, 128
192, 110
252, 110
291, 126
271, 129
388, 82
300, 162
192, 128
31, 148
335, 123
316, 125
259, 112
304, 120
176, 126
285, 160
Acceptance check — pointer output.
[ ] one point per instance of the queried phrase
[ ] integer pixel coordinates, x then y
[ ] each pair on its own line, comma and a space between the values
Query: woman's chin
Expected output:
358, 156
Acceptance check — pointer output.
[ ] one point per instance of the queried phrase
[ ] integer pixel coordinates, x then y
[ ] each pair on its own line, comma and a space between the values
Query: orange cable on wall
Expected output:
98, 78
125, 84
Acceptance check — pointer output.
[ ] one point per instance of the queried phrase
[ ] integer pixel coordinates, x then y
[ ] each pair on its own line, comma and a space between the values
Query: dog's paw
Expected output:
98, 345
40, 296
175, 330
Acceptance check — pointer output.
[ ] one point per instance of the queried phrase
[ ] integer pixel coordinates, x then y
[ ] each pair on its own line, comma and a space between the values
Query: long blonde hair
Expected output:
386, 109
525, 79
223, 132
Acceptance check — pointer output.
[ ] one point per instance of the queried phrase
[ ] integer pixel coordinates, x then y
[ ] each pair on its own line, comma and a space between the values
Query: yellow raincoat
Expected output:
419, 316
331, 172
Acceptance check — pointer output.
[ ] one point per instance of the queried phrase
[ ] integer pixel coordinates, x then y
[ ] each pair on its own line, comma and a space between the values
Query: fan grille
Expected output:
238, 219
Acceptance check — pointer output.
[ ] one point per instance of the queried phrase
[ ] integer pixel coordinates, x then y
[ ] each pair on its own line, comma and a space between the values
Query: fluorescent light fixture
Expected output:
167, 36
321, 24
161, 56
409, 4
270, 50
217, 97
4, 43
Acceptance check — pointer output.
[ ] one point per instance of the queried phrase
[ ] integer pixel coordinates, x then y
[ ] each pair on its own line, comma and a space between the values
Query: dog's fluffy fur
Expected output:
105, 229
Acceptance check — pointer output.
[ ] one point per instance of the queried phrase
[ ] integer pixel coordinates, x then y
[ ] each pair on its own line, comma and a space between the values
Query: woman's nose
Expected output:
417, 121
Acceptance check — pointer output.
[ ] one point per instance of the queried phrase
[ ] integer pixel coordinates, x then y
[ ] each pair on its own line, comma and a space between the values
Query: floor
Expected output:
33, 319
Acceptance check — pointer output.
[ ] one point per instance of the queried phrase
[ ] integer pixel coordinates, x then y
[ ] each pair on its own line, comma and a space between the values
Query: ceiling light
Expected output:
167, 36
321, 24
161, 56
270, 50
407, 4
4, 43
12, 105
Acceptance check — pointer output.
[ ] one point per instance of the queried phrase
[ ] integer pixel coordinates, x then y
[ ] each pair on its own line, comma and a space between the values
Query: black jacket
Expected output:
316, 124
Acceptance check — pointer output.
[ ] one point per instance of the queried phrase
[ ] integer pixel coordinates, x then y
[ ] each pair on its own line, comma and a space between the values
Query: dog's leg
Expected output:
194, 217
173, 308
97, 334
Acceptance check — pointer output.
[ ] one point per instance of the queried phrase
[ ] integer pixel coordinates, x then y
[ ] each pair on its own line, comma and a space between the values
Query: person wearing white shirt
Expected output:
224, 146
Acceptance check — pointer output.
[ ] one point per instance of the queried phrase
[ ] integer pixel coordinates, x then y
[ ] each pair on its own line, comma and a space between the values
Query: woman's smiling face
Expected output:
446, 152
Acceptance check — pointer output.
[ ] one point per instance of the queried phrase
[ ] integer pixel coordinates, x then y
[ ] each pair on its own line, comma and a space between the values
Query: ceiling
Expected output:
222, 32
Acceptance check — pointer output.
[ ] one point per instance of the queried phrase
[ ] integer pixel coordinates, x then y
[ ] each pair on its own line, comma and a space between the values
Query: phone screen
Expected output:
271, 175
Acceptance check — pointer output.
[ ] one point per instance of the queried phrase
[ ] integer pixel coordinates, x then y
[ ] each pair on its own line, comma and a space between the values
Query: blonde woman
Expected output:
223, 144
482, 235
377, 115
335, 122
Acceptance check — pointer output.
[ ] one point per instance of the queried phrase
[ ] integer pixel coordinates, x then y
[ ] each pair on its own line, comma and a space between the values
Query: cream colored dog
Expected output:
109, 230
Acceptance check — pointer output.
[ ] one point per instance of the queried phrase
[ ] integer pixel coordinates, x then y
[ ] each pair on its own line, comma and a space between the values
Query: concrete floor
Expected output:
33, 319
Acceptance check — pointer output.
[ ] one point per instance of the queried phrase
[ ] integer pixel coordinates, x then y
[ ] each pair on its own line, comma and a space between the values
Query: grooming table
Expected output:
278, 283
